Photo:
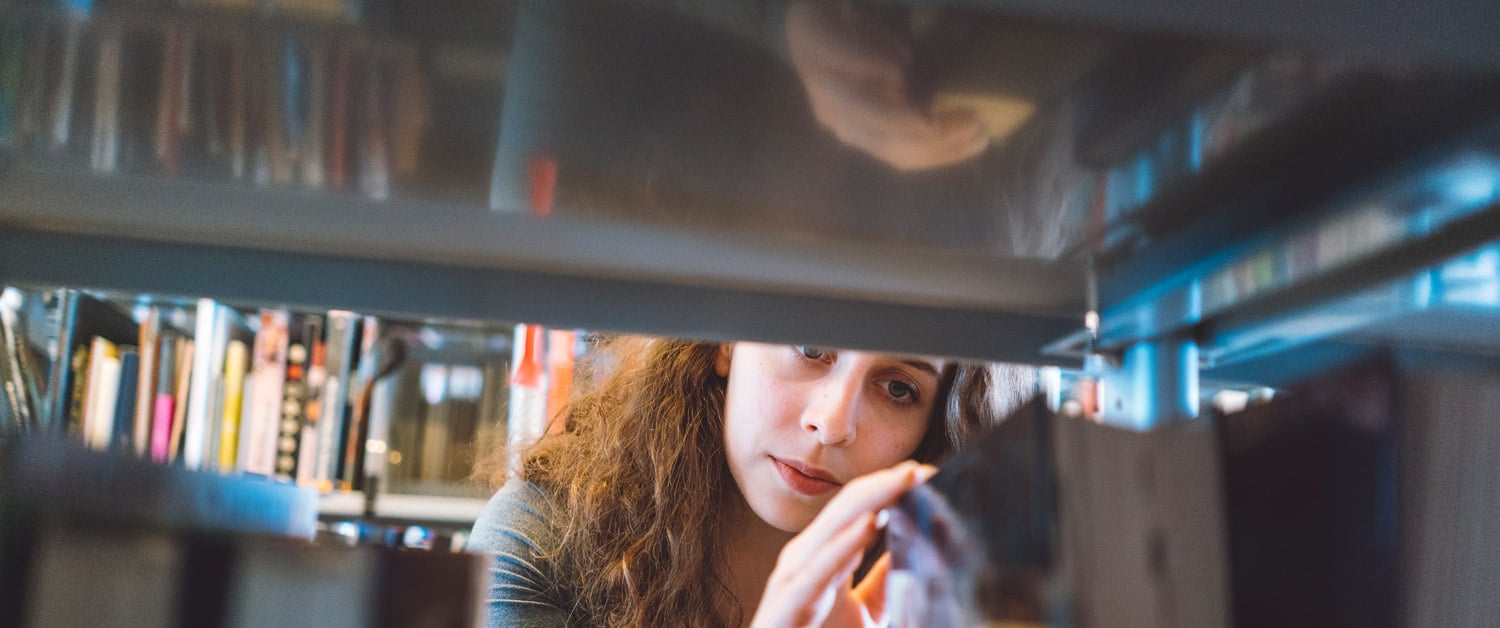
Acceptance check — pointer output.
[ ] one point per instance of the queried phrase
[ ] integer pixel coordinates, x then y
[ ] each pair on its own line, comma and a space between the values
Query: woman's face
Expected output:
799, 422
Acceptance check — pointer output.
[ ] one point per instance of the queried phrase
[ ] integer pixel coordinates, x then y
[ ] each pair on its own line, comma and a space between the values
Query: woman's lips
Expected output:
804, 479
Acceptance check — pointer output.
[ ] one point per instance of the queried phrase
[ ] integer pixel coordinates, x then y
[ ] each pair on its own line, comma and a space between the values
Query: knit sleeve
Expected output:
516, 531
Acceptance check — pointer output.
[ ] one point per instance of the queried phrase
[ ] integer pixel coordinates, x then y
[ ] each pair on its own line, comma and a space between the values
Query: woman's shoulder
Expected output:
520, 512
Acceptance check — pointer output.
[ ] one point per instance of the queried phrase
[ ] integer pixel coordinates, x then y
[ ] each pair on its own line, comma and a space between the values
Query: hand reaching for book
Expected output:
855, 72
810, 584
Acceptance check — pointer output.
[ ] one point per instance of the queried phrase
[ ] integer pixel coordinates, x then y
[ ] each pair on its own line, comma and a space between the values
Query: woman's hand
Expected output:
810, 584
854, 70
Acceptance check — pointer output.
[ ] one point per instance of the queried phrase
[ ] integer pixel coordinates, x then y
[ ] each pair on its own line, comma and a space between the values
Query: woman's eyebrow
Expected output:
922, 365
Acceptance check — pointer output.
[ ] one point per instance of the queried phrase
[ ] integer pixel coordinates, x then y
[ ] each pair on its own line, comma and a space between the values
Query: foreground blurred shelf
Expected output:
394, 506
44, 479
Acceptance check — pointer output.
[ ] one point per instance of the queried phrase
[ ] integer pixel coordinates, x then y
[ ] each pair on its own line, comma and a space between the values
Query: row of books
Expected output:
332, 400
175, 98
278, 395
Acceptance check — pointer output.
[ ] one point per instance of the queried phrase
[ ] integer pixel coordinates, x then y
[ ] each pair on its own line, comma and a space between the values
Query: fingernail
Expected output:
882, 518
925, 472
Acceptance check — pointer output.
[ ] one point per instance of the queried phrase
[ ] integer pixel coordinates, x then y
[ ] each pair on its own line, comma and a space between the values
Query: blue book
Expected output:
130, 369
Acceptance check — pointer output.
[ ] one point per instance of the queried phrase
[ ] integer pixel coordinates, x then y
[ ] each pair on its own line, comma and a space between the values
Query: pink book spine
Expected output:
161, 428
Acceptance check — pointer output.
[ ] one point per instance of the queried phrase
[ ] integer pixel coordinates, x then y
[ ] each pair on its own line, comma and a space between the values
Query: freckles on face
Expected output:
799, 422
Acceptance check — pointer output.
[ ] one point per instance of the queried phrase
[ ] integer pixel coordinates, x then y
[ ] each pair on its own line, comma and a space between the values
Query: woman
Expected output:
704, 484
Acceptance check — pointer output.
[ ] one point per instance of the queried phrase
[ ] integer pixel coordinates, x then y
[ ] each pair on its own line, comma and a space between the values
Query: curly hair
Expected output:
639, 478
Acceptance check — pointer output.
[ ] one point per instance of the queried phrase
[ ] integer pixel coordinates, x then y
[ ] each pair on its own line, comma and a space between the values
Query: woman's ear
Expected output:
721, 361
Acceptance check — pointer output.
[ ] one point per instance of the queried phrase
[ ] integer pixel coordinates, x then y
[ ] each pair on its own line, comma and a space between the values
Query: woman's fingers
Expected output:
867, 494
813, 573
871, 591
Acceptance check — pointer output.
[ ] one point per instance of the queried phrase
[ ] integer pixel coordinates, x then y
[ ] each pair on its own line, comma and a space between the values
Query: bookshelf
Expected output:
1224, 234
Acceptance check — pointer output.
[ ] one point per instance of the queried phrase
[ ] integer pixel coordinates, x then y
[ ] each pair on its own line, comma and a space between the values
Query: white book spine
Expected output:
106, 391
264, 401
200, 438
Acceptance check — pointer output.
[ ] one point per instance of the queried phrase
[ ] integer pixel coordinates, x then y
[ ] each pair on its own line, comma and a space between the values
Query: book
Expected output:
164, 399
294, 398
200, 447
105, 148
176, 53
411, 113
60, 108
374, 158
339, 355
77, 396
308, 447
238, 109
17, 398
338, 111
185, 354
312, 151
360, 388
125, 393
236, 358
81, 317
264, 400
101, 392
145, 396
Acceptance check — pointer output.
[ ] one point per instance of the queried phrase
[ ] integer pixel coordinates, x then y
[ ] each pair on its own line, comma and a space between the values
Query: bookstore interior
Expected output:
286, 284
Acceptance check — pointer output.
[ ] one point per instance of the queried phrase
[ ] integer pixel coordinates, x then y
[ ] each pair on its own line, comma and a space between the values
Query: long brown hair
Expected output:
639, 476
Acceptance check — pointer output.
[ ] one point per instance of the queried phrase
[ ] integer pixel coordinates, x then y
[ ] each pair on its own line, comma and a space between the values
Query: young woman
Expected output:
700, 484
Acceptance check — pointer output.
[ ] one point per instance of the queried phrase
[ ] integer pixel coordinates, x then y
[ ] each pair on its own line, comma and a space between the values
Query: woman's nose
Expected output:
831, 412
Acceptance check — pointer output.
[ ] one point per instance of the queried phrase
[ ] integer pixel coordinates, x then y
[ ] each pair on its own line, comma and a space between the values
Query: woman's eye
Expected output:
900, 390
812, 353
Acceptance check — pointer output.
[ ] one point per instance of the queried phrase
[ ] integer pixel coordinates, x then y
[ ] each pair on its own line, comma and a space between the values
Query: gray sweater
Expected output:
515, 527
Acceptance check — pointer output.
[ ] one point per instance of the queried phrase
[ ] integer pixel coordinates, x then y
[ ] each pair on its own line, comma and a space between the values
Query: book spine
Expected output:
360, 390
78, 373
148, 347
294, 398
312, 151
308, 446
374, 173
238, 109
338, 156
103, 392
412, 113
62, 96
164, 406
105, 150
200, 397
269, 376
18, 393
235, 359
185, 354
165, 140
334, 410
291, 86
124, 416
